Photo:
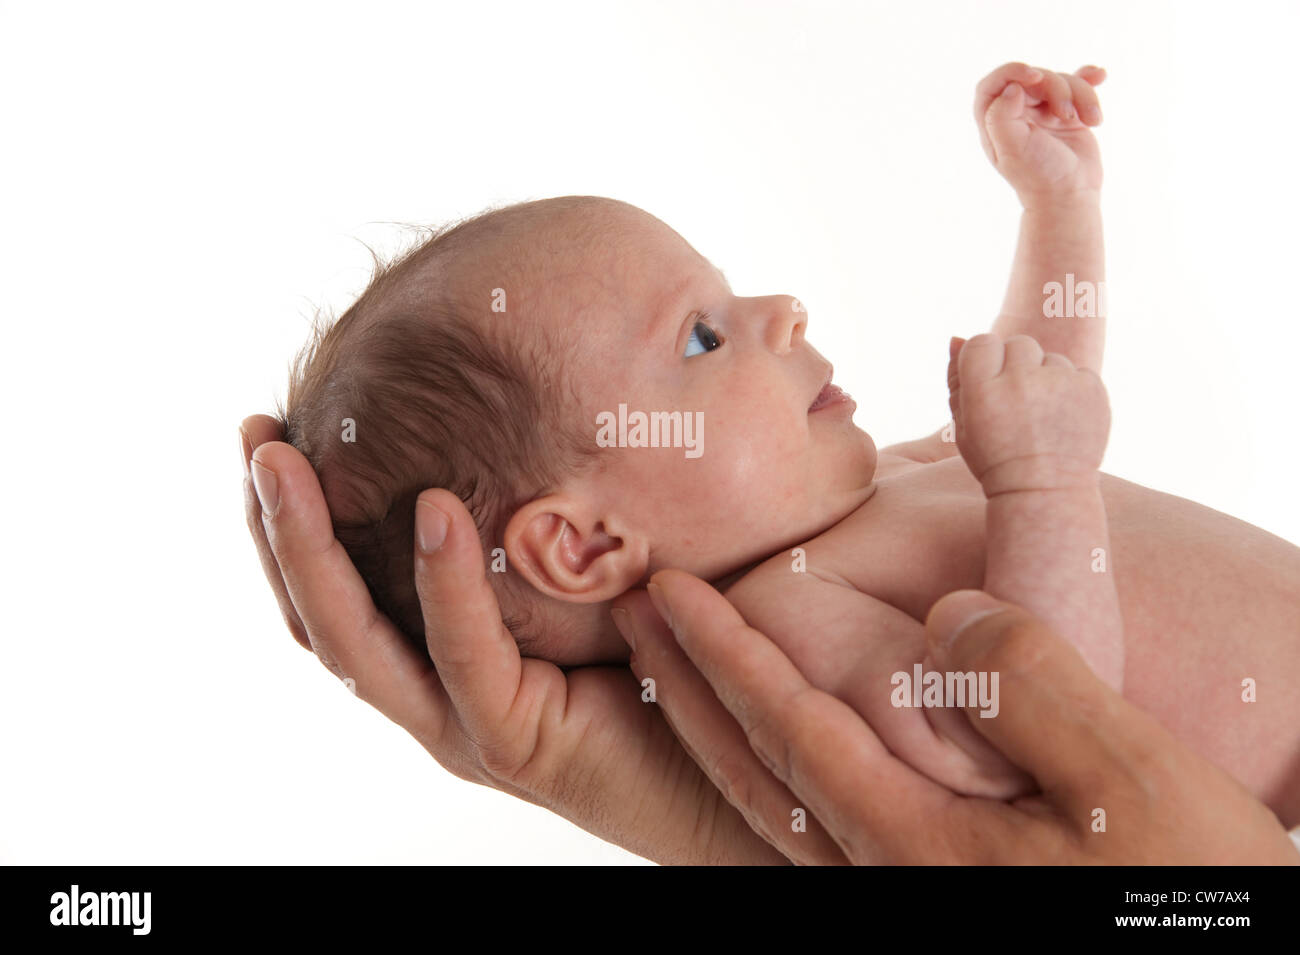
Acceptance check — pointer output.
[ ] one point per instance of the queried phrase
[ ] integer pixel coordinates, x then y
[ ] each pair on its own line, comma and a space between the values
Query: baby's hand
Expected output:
1025, 420
1034, 127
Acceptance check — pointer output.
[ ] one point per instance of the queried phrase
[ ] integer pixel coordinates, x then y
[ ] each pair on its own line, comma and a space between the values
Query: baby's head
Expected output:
493, 359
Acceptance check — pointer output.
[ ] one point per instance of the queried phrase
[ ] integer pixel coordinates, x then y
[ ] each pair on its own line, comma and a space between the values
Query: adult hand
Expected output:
791, 746
581, 743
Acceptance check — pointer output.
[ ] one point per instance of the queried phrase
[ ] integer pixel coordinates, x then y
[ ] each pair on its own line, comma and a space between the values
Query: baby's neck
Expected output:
722, 583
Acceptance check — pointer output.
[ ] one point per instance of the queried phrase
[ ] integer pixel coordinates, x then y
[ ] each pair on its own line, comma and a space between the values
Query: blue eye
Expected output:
703, 339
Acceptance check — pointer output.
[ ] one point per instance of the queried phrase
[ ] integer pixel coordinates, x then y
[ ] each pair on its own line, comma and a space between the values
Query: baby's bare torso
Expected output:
1207, 600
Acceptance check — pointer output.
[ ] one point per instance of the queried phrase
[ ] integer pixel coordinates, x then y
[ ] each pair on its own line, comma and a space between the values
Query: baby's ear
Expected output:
564, 550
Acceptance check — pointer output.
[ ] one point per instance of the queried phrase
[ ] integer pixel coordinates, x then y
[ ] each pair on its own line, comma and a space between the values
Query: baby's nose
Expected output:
786, 323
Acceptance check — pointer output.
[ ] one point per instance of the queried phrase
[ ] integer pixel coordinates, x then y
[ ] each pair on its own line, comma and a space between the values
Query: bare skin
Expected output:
776, 746
578, 742
537, 731
699, 795
1198, 601
1207, 601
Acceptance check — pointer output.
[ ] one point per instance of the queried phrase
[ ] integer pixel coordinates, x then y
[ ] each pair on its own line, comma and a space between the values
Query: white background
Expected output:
182, 186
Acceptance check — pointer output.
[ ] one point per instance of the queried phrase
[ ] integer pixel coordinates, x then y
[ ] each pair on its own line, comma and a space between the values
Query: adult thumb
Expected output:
1054, 717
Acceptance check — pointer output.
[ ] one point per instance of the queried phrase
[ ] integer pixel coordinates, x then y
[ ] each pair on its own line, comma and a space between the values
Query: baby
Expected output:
605, 405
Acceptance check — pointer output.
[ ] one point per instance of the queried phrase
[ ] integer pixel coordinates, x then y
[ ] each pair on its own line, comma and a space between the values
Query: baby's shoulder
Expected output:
828, 559
801, 595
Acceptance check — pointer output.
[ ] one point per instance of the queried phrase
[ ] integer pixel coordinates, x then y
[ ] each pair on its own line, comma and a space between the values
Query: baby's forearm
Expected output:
1059, 238
1048, 550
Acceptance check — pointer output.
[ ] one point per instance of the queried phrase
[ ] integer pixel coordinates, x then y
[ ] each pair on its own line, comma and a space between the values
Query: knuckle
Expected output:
730, 776
774, 737
1147, 773
252, 508
772, 747
1019, 652
500, 762
329, 663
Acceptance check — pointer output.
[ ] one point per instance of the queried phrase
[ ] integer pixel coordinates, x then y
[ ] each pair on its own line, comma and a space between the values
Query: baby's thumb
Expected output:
1004, 122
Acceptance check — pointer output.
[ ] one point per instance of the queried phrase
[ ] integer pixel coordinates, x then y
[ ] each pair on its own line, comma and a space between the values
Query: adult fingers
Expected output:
1057, 720
715, 740
477, 660
875, 807
1091, 750
347, 633
255, 431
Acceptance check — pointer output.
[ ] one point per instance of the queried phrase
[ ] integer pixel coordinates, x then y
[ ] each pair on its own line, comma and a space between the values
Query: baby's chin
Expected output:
850, 469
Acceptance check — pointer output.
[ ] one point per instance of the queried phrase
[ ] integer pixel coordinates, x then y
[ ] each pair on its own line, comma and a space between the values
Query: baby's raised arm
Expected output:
1034, 127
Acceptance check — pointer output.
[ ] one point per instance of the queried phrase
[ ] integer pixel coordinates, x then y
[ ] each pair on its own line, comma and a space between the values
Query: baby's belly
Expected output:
1208, 602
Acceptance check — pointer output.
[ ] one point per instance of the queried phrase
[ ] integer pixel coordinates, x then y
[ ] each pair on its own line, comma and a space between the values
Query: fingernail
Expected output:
661, 605
1009, 90
1092, 114
965, 624
966, 609
268, 489
967, 621
1068, 111
430, 527
246, 446
623, 620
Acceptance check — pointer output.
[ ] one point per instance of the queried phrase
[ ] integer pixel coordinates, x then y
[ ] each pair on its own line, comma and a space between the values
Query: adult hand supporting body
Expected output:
580, 743
775, 744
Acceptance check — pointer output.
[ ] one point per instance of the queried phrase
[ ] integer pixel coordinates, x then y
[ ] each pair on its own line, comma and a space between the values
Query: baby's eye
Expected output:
702, 339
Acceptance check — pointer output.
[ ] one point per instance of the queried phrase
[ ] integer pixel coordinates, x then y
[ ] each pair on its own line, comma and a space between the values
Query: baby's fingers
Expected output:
1085, 100
981, 359
1055, 360
1022, 351
1055, 89
990, 88
1093, 74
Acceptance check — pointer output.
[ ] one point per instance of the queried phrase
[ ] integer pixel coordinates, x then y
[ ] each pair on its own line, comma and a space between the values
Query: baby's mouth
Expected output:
829, 395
